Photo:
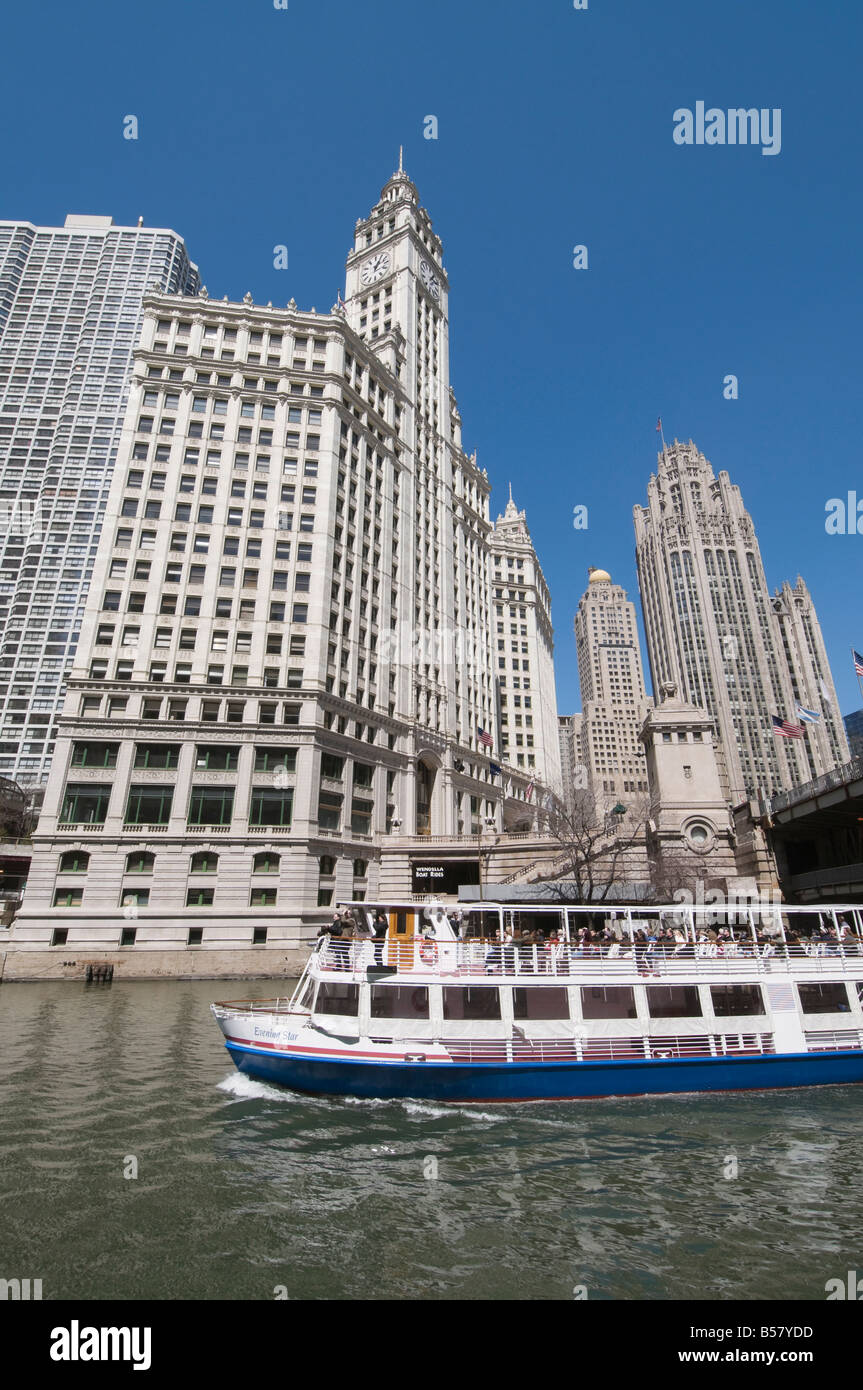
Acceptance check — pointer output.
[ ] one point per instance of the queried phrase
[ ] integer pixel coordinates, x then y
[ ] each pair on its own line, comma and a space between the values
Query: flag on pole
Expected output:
783, 728
659, 425
529, 793
494, 769
858, 662
825, 693
809, 716
485, 739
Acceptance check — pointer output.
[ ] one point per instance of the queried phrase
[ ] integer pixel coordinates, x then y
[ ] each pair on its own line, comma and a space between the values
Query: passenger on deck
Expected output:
380, 927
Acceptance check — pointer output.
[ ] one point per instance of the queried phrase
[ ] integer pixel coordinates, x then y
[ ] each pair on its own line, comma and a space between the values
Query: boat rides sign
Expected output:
442, 875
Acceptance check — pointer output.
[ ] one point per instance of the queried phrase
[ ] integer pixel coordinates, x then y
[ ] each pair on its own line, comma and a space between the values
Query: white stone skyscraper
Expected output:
714, 631
287, 662
826, 743
613, 698
70, 314
524, 650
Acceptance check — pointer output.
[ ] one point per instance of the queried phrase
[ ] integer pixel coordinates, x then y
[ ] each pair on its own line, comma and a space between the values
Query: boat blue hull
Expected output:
517, 1081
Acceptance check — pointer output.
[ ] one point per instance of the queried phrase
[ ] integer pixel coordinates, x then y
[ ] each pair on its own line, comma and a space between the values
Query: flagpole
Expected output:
857, 673
661, 432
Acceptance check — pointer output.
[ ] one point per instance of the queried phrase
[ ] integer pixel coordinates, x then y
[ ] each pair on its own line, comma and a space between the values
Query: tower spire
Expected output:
401, 158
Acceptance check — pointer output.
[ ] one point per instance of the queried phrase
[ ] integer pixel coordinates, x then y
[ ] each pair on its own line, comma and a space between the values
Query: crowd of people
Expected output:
533, 946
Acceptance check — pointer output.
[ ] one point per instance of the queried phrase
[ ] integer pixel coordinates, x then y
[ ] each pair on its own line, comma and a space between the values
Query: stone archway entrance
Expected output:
427, 789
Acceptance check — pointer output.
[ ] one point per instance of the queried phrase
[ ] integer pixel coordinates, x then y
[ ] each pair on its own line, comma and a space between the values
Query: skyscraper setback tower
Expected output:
70, 313
613, 699
713, 629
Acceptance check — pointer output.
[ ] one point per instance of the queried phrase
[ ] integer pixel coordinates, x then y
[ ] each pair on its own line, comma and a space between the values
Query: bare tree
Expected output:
16, 817
594, 846
677, 874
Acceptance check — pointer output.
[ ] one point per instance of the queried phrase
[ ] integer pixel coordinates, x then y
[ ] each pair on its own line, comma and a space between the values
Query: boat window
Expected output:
399, 1001
831, 998
540, 1001
617, 1001
470, 1001
673, 1001
337, 999
732, 1000
305, 999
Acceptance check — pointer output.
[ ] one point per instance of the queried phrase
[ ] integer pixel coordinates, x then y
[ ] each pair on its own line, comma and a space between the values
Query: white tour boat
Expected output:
503, 1002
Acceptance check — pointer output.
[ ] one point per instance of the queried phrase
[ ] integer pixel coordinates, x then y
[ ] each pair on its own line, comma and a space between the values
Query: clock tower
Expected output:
397, 301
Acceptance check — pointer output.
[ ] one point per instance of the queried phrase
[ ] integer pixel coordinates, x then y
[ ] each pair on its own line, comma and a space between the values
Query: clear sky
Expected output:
261, 126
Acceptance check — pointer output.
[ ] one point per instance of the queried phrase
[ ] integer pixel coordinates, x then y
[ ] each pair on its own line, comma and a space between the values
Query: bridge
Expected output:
816, 833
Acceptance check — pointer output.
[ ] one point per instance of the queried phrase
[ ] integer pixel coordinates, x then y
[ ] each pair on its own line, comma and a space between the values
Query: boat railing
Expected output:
280, 1005
482, 957
658, 1047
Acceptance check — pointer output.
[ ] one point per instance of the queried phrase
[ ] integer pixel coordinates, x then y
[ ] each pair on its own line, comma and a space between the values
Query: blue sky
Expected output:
261, 126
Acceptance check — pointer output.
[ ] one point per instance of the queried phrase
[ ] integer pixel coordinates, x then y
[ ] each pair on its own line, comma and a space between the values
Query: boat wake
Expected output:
242, 1087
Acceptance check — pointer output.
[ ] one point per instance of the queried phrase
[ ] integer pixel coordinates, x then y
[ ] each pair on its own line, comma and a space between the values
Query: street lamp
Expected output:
491, 824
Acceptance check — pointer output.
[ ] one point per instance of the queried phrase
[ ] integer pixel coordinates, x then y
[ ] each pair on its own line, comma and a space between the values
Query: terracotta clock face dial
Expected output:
375, 268
430, 280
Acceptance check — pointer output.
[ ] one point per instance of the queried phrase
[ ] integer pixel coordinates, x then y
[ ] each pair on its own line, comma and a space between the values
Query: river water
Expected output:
247, 1191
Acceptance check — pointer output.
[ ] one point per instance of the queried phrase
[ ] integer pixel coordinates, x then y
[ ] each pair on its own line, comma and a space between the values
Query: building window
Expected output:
329, 810
75, 861
218, 758
94, 754
134, 897
263, 897
205, 862
200, 897
271, 806
140, 862
148, 805
266, 863
85, 804
211, 806
59, 936
128, 936
68, 897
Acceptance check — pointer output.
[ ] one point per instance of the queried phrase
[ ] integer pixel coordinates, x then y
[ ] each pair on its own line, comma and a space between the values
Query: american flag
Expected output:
858, 662
485, 739
529, 793
659, 425
783, 728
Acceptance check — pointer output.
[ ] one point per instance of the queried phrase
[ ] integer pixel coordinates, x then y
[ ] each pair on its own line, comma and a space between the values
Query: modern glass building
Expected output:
70, 314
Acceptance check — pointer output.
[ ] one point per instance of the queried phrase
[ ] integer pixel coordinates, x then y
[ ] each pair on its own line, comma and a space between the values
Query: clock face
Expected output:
430, 280
375, 268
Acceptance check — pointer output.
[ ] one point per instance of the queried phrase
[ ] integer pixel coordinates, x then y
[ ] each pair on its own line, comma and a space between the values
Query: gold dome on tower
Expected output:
596, 576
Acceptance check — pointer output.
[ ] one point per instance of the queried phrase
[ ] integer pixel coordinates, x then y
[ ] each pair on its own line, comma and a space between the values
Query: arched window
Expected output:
140, 862
327, 865
206, 862
265, 863
74, 861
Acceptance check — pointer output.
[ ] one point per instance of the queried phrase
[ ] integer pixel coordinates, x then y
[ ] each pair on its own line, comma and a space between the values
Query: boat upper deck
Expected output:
598, 943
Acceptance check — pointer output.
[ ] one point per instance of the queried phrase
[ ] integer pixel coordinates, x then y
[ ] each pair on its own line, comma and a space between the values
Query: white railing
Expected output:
480, 958
280, 1005
665, 1047
831, 1039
